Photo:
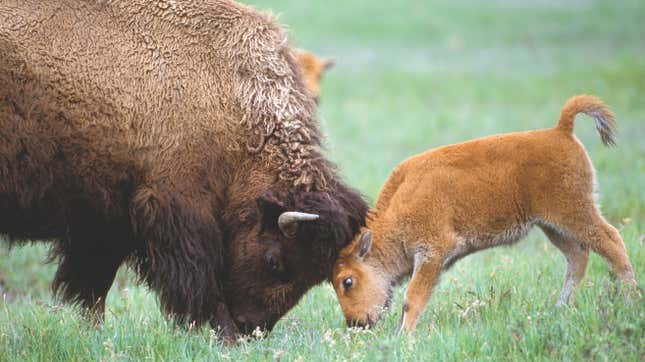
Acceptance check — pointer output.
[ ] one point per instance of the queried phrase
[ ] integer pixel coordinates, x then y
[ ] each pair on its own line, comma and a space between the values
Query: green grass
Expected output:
411, 75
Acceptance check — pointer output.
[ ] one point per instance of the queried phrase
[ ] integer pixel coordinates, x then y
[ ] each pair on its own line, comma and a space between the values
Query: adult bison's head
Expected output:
289, 245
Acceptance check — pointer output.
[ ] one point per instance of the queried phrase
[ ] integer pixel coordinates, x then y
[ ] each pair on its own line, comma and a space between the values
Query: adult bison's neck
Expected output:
291, 156
278, 115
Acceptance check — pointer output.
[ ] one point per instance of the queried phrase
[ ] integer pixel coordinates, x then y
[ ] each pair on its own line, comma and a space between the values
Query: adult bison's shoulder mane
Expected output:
277, 112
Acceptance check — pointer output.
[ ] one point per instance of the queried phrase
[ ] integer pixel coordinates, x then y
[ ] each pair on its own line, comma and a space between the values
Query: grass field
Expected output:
410, 75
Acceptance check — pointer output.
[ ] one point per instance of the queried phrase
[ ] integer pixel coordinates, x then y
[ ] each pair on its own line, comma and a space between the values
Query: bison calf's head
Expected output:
289, 247
361, 283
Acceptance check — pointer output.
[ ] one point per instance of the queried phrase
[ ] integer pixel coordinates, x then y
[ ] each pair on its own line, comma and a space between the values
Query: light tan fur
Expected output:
443, 204
312, 69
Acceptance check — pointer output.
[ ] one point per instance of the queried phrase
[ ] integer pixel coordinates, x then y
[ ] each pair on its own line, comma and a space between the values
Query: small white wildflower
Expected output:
472, 308
212, 337
258, 333
278, 354
328, 338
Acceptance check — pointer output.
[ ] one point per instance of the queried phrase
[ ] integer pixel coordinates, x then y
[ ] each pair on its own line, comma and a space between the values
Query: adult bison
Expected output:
176, 136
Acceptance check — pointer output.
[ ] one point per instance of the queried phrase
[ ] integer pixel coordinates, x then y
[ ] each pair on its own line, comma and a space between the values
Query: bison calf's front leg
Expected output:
424, 278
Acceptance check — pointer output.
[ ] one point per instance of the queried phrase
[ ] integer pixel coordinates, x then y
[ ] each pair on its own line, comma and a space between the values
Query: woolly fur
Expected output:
146, 131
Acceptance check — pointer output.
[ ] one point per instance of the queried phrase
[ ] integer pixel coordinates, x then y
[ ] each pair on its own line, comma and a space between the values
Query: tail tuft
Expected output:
593, 107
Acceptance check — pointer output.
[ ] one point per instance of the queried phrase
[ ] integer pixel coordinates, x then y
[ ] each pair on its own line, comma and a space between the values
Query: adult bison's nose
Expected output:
360, 323
242, 324
248, 326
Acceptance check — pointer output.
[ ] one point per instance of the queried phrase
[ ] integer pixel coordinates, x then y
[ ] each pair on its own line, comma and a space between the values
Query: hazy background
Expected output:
411, 75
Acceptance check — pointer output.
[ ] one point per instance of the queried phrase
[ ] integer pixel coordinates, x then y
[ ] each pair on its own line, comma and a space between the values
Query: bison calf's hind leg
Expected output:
85, 274
590, 228
577, 256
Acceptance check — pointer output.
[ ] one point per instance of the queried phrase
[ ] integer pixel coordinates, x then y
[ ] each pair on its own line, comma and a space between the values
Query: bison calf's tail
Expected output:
593, 107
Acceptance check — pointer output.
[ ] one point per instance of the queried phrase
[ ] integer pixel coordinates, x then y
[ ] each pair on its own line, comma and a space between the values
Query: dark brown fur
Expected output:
167, 134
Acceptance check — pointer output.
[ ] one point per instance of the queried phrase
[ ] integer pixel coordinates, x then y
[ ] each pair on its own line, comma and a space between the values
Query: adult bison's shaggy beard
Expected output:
176, 136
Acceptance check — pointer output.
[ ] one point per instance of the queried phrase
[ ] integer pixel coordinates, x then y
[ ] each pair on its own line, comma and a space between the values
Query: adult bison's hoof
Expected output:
225, 325
254, 328
229, 334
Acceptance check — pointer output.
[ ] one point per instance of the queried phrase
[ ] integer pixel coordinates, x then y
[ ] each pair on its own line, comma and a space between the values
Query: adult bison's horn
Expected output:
288, 221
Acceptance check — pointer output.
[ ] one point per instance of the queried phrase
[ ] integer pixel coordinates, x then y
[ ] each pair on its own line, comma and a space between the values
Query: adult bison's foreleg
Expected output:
183, 257
224, 322
86, 271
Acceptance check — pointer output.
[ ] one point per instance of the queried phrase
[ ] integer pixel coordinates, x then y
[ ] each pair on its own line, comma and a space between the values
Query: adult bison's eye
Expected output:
348, 282
271, 262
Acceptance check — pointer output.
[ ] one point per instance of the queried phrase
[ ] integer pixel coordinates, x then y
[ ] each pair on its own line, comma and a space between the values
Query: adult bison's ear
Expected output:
354, 212
271, 206
342, 213
274, 214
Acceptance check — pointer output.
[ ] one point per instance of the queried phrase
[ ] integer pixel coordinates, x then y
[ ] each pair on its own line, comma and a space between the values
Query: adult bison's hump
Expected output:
148, 75
98, 97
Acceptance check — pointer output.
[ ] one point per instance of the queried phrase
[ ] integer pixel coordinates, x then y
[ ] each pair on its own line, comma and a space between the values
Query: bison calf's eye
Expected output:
348, 282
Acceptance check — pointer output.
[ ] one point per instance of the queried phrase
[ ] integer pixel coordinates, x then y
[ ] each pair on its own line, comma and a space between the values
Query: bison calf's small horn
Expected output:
288, 221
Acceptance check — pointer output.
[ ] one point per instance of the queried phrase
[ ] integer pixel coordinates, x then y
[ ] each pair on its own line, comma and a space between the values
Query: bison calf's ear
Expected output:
365, 245
328, 64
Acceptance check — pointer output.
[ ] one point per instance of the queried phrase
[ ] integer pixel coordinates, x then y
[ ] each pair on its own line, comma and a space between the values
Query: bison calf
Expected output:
448, 202
313, 69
